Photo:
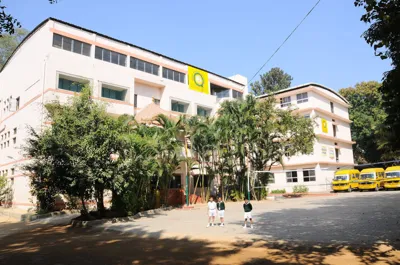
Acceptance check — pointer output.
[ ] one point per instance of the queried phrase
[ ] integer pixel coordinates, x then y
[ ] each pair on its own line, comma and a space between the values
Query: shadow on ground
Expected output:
66, 245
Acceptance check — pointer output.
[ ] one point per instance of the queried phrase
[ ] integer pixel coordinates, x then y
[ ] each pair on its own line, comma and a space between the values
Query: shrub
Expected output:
300, 189
278, 191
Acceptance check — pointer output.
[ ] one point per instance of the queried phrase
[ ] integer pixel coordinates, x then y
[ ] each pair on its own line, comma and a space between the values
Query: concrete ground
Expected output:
356, 228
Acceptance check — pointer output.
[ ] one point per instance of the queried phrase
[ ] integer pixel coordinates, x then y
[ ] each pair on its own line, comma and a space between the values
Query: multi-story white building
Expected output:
333, 147
57, 57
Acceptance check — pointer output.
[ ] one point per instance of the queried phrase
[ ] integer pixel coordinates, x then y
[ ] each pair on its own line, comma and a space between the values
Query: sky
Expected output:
231, 37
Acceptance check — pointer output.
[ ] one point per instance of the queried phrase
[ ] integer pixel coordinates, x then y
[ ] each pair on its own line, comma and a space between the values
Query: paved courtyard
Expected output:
356, 228
356, 218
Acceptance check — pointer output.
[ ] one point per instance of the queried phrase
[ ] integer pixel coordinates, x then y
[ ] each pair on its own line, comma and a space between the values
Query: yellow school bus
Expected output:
371, 179
346, 179
392, 178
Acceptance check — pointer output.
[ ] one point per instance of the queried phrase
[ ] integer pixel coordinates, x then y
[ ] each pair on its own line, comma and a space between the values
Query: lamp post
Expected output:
187, 175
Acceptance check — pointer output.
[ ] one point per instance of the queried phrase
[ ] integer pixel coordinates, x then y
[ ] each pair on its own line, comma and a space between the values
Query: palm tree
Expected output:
169, 149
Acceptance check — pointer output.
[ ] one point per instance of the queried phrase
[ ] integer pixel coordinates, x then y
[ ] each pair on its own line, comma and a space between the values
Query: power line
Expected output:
287, 38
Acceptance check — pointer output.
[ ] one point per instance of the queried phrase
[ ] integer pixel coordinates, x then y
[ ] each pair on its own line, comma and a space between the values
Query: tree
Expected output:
384, 35
260, 135
5, 190
274, 80
9, 24
368, 117
73, 156
8, 43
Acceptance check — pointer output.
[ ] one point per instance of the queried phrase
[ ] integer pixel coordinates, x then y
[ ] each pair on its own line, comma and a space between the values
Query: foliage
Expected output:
9, 24
8, 43
262, 134
5, 190
368, 117
278, 191
384, 35
274, 80
300, 189
73, 157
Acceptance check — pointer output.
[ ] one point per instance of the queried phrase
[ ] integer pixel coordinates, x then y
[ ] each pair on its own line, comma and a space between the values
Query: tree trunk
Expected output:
84, 209
195, 188
100, 201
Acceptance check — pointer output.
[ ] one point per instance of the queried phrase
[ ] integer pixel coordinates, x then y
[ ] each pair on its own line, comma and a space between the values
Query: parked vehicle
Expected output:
392, 178
345, 180
371, 179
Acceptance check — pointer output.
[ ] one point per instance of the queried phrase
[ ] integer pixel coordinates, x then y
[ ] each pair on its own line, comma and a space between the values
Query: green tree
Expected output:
260, 135
170, 136
4, 189
368, 116
73, 156
274, 80
8, 43
384, 35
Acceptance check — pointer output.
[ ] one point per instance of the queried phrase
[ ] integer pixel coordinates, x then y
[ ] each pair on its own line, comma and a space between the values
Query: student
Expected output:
247, 213
221, 210
212, 211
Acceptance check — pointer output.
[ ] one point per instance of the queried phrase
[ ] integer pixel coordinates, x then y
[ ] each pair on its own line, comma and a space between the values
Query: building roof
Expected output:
303, 86
111, 38
148, 113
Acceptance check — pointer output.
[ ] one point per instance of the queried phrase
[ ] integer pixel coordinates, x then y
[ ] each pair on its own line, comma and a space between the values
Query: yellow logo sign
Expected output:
324, 126
198, 80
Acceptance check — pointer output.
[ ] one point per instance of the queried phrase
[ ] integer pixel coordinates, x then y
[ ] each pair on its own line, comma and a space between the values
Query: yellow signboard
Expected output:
198, 80
324, 126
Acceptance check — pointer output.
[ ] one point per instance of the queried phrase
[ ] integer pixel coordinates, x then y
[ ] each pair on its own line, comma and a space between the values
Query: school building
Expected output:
57, 58
333, 146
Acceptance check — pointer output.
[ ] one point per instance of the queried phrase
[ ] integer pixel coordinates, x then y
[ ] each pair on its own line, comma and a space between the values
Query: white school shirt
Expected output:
212, 205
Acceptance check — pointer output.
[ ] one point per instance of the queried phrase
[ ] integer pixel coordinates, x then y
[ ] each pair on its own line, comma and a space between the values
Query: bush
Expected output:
236, 195
278, 191
300, 189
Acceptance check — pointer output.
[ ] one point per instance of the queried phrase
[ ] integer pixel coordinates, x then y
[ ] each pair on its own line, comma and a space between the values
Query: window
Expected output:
144, 66
285, 102
69, 85
135, 100
334, 130
301, 98
202, 112
237, 94
337, 155
291, 176
15, 130
112, 93
271, 178
8, 143
17, 100
14, 140
12, 172
198, 179
307, 116
308, 175
332, 108
178, 107
71, 45
110, 56
173, 75
175, 182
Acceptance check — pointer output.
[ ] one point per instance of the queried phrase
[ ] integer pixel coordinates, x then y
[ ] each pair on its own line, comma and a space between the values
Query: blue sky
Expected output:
231, 37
